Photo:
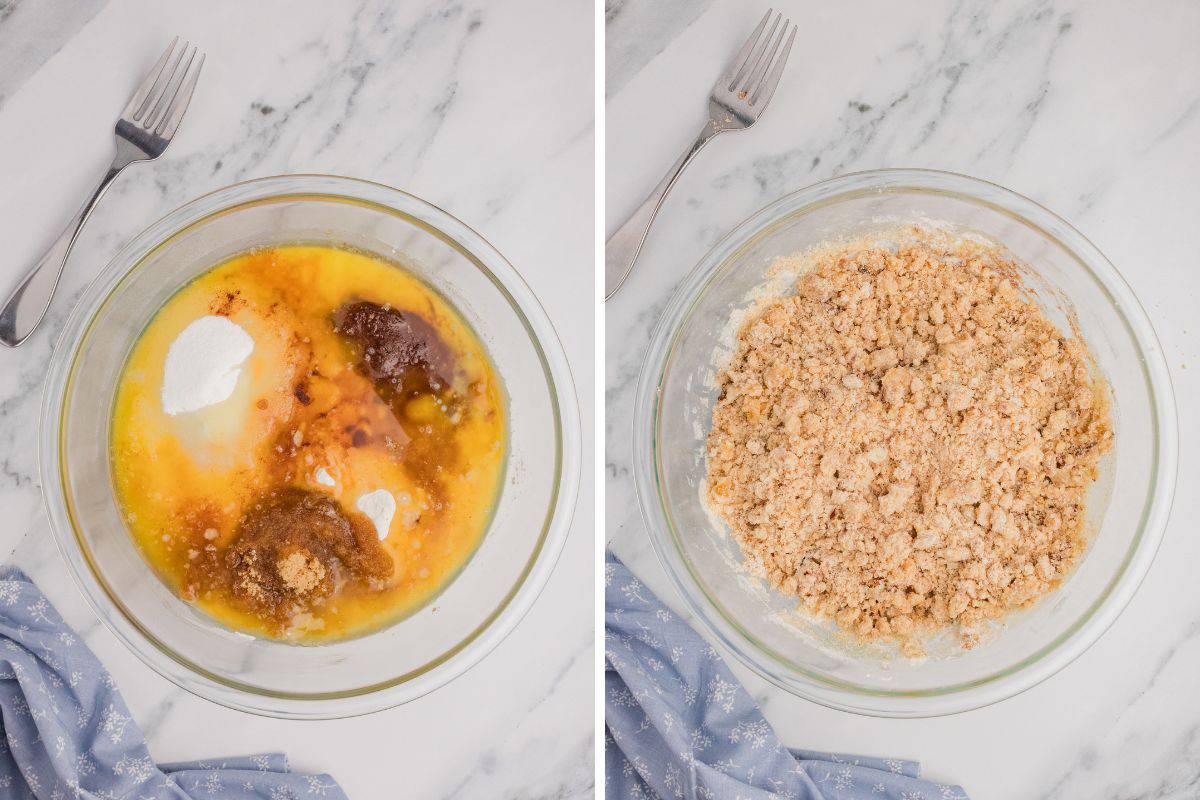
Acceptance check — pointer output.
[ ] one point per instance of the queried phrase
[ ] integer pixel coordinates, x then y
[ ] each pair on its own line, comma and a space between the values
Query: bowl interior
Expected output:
762, 625
427, 639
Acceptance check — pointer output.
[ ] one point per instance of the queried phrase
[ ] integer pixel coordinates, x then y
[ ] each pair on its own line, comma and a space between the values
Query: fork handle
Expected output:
27, 305
622, 248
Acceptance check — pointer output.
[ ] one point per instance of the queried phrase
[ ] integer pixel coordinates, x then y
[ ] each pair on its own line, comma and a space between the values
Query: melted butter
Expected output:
304, 408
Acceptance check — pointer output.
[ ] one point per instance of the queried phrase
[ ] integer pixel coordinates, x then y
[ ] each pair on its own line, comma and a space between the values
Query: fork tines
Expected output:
158, 104
760, 56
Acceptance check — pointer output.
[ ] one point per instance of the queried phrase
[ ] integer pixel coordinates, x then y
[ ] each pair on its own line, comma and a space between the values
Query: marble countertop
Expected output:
426, 96
1093, 109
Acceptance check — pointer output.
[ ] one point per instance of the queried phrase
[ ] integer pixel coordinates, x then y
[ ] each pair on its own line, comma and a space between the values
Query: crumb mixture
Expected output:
906, 442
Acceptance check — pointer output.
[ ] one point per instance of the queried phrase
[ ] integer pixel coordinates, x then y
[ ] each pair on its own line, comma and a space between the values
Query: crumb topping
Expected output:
905, 443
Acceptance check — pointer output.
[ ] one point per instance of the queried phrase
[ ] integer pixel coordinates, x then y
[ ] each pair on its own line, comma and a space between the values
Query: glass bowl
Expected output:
473, 612
1127, 507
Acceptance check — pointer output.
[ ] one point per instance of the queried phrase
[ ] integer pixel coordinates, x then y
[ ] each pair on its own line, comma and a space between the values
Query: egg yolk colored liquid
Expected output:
305, 414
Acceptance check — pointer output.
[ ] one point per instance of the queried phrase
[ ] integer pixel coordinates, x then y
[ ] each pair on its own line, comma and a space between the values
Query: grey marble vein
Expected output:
32, 33
637, 31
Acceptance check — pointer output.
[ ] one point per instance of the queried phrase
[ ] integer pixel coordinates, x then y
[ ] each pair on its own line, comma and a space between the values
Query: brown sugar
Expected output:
301, 572
905, 442
289, 547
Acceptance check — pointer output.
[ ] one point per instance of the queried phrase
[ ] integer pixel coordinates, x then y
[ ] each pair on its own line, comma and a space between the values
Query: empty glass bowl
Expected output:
1127, 507
420, 652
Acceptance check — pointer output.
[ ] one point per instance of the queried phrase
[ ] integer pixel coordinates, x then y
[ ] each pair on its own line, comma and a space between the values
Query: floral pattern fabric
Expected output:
679, 725
65, 732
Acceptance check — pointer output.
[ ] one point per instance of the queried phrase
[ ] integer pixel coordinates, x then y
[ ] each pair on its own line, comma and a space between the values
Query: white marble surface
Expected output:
430, 96
1092, 109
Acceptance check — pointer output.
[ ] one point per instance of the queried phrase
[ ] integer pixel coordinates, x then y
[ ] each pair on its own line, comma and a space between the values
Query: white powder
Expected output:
203, 364
380, 506
324, 478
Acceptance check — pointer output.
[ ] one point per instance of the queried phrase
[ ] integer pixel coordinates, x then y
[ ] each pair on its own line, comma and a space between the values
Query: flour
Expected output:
380, 506
203, 364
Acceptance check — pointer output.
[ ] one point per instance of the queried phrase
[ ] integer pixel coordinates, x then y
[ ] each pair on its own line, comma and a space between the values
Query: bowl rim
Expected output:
844, 695
566, 426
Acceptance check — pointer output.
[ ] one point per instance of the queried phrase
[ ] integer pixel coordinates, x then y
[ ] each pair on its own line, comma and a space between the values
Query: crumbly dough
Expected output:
905, 443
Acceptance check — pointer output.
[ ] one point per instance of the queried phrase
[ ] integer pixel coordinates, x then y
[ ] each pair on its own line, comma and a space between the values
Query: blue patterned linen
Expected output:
66, 733
679, 725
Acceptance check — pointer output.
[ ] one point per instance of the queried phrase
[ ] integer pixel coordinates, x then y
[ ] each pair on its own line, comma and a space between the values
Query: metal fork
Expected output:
736, 102
145, 128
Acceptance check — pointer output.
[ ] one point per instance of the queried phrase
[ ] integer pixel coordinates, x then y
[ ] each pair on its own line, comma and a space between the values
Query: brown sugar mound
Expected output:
290, 546
906, 442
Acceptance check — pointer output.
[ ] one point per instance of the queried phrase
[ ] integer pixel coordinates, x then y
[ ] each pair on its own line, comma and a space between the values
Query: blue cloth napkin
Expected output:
679, 725
65, 732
